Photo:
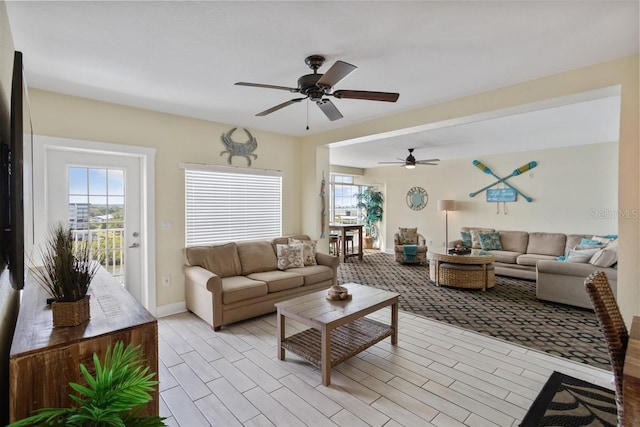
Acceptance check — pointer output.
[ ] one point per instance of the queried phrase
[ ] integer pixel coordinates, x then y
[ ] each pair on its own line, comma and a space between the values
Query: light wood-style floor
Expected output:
437, 375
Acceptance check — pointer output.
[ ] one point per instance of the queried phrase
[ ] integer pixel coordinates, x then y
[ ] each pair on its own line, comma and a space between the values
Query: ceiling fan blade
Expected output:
367, 95
329, 109
428, 160
290, 89
279, 106
429, 164
392, 163
335, 74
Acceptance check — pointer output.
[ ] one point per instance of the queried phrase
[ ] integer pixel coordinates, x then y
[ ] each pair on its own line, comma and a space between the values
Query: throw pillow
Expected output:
582, 256
607, 256
603, 240
408, 236
475, 236
490, 241
290, 256
466, 239
589, 242
309, 250
583, 247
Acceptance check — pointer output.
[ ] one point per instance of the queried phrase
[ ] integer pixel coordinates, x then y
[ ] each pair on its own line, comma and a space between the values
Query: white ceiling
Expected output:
183, 58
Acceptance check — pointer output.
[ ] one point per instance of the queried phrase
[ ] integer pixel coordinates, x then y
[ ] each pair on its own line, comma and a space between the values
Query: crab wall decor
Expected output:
242, 149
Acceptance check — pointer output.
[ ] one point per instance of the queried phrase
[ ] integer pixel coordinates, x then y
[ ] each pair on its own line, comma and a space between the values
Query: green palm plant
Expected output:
371, 201
114, 397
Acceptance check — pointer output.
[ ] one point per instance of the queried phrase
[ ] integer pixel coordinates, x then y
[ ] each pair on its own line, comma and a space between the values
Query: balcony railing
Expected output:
106, 246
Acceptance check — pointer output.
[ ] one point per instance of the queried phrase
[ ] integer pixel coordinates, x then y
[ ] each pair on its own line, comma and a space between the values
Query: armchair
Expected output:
410, 246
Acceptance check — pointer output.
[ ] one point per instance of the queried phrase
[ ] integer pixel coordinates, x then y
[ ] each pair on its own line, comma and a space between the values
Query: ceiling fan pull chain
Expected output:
307, 113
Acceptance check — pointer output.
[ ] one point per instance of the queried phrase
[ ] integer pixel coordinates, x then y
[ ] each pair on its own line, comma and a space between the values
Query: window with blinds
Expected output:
226, 204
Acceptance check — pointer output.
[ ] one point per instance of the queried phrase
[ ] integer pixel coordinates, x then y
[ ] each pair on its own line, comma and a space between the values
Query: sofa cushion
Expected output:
532, 259
257, 256
514, 241
408, 236
508, 257
290, 256
546, 244
490, 241
285, 240
314, 273
278, 280
238, 288
220, 259
309, 250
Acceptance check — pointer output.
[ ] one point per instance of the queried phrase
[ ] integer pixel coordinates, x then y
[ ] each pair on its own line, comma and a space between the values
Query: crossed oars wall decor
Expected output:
522, 169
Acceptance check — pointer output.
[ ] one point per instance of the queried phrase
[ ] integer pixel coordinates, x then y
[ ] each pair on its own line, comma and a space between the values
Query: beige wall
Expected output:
623, 72
176, 139
572, 189
8, 297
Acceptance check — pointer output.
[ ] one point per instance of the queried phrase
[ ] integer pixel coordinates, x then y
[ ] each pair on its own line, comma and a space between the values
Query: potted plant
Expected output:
66, 273
114, 397
370, 201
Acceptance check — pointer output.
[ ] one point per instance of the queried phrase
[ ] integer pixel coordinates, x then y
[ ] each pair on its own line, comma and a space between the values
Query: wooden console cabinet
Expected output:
44, 359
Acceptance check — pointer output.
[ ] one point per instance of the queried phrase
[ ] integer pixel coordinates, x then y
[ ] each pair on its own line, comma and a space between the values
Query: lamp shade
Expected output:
446, 205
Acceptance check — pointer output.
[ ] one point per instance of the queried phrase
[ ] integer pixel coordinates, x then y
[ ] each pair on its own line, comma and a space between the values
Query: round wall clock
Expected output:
417, 198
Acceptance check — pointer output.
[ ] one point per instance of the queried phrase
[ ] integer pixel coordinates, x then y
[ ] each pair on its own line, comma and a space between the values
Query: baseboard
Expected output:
169, 309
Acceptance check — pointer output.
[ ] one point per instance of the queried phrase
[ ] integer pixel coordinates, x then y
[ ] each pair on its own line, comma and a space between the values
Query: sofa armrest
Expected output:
330, 261
574, 269
454, 243
421, 240
200, 285
203, 277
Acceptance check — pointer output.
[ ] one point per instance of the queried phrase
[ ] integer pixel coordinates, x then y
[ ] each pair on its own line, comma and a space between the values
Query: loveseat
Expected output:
535, 256
239, 280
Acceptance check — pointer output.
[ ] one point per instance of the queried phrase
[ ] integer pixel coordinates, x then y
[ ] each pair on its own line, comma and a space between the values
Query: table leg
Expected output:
394, 322
280, 324
484, 277
360, 243
343, 253
325, 338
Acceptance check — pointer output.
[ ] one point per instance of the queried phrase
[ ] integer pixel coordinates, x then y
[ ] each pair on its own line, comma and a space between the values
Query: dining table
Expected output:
344, 229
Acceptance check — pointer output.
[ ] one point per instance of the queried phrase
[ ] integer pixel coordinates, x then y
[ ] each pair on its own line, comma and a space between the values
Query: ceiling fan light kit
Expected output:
410, 162
316, 87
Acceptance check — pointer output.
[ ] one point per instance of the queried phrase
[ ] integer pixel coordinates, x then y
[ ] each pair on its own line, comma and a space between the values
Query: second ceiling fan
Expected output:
410, 162
316, 87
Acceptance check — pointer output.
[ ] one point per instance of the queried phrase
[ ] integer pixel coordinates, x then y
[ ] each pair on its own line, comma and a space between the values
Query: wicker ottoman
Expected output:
470, 276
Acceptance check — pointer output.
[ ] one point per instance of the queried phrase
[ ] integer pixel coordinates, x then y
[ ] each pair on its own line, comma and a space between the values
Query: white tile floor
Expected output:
437, 375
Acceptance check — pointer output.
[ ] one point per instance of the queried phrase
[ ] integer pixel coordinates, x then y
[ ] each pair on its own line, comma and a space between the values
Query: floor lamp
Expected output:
446, 206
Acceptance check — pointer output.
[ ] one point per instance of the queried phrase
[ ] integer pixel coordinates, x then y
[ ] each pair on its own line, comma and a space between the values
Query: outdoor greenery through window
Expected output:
343, 203
226, 204
96, 214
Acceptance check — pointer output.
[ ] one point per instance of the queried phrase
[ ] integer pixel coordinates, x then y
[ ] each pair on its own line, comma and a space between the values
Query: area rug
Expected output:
568, 401
509, 311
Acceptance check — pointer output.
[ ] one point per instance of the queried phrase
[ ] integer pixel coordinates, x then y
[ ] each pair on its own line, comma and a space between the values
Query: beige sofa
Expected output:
236, 281
532, 255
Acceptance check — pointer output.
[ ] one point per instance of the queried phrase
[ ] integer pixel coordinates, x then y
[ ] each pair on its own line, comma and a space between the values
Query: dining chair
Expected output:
612, 326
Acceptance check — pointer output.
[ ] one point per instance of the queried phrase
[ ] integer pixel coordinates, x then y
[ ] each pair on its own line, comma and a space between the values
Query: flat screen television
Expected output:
16, 181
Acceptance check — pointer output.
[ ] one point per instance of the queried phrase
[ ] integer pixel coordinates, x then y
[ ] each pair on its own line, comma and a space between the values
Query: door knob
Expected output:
135, 245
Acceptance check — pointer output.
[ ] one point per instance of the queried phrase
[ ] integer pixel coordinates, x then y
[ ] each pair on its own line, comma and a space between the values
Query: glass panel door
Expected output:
96, 214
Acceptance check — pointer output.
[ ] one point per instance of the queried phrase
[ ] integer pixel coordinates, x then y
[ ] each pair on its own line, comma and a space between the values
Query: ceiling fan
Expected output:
317, 87
410, 162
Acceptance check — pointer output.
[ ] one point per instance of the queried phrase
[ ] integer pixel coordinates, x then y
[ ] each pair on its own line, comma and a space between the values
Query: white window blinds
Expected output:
231, 204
